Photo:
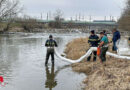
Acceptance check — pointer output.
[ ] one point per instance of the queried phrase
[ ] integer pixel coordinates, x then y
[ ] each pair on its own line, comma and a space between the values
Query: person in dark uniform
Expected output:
93, 41
50, 44
115, 39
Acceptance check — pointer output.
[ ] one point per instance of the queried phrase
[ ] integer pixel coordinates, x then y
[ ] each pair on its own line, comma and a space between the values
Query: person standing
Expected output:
104, 46
93, 41
116, 38
104, 31
50, 44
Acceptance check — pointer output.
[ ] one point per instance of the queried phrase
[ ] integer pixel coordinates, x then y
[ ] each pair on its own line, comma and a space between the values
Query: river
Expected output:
22, 58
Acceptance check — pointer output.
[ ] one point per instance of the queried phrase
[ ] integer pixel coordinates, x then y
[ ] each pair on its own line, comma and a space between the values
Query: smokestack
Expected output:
47, 16
79, 16
105, 18
71, 18
76, 18
110, 17
90, 18
41, 15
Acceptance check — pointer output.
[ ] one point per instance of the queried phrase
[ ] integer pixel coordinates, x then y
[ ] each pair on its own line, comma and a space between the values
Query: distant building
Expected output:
95, 25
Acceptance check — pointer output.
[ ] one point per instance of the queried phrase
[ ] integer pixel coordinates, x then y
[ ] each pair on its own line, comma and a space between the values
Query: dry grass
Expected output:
77, 48
114, 75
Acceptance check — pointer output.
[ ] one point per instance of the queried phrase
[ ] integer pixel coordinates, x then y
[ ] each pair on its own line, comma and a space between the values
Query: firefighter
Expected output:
93, 42
50, 44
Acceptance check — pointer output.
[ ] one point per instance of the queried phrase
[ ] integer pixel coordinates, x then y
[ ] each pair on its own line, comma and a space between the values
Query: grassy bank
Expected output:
115, 75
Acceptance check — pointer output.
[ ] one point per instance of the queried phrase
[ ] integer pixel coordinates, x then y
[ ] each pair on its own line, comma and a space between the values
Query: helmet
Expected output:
92, 31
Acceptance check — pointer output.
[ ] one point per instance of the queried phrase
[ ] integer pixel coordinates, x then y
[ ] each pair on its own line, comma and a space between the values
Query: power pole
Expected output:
90, 18
41, 15
47, 17
79, 17
83, 18
105, 18
110, 17
49, 14
71, 18
76, 18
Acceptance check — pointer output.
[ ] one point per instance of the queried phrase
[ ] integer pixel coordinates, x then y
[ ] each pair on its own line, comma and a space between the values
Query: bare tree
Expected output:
58, 17
30, 24
124, 21
8, 11
9, 8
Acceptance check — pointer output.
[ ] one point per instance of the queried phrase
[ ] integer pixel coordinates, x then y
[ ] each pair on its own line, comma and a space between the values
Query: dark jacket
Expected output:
105, 34
51, 43
93, 40
116, 36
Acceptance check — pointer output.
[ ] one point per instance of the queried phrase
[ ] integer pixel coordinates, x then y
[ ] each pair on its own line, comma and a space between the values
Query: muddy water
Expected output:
22, 58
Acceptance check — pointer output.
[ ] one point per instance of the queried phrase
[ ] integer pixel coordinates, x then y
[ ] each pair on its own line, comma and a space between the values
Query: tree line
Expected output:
9, 10
124, 21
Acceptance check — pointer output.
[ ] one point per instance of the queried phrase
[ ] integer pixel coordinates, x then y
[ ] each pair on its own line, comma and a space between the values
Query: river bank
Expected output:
45, 30
115, 75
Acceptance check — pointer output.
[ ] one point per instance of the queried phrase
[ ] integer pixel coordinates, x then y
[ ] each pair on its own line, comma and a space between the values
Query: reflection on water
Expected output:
22, 64
50, 78
51, 82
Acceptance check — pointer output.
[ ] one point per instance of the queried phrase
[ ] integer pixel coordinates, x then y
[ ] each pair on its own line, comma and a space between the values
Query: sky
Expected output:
97, 9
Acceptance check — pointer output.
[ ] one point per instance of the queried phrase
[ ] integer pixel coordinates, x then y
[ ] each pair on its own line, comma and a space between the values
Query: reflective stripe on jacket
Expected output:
93, 40
51, 43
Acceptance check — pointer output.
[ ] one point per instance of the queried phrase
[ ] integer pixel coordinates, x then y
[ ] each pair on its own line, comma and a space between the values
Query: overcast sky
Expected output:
96, 8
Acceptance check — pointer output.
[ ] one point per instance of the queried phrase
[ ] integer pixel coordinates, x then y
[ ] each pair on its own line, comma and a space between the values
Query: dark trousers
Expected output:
103, 53
114, 46
94, 57
50, 52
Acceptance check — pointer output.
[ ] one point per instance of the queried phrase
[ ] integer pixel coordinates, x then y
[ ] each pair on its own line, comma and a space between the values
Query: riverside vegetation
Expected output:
115, 75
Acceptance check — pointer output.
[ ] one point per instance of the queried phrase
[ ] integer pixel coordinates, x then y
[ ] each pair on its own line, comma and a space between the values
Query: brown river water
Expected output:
22, 58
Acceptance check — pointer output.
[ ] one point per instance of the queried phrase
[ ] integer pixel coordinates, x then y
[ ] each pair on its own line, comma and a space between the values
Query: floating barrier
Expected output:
87, 54
118, 56
78, 60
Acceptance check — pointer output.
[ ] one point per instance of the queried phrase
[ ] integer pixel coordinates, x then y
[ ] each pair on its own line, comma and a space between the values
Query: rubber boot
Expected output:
53, 64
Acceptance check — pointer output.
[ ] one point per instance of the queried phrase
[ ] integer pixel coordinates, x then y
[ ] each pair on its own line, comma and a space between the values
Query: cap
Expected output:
50, 36
93, 31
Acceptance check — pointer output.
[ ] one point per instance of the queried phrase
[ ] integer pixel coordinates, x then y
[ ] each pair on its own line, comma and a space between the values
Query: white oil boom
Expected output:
87, 54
